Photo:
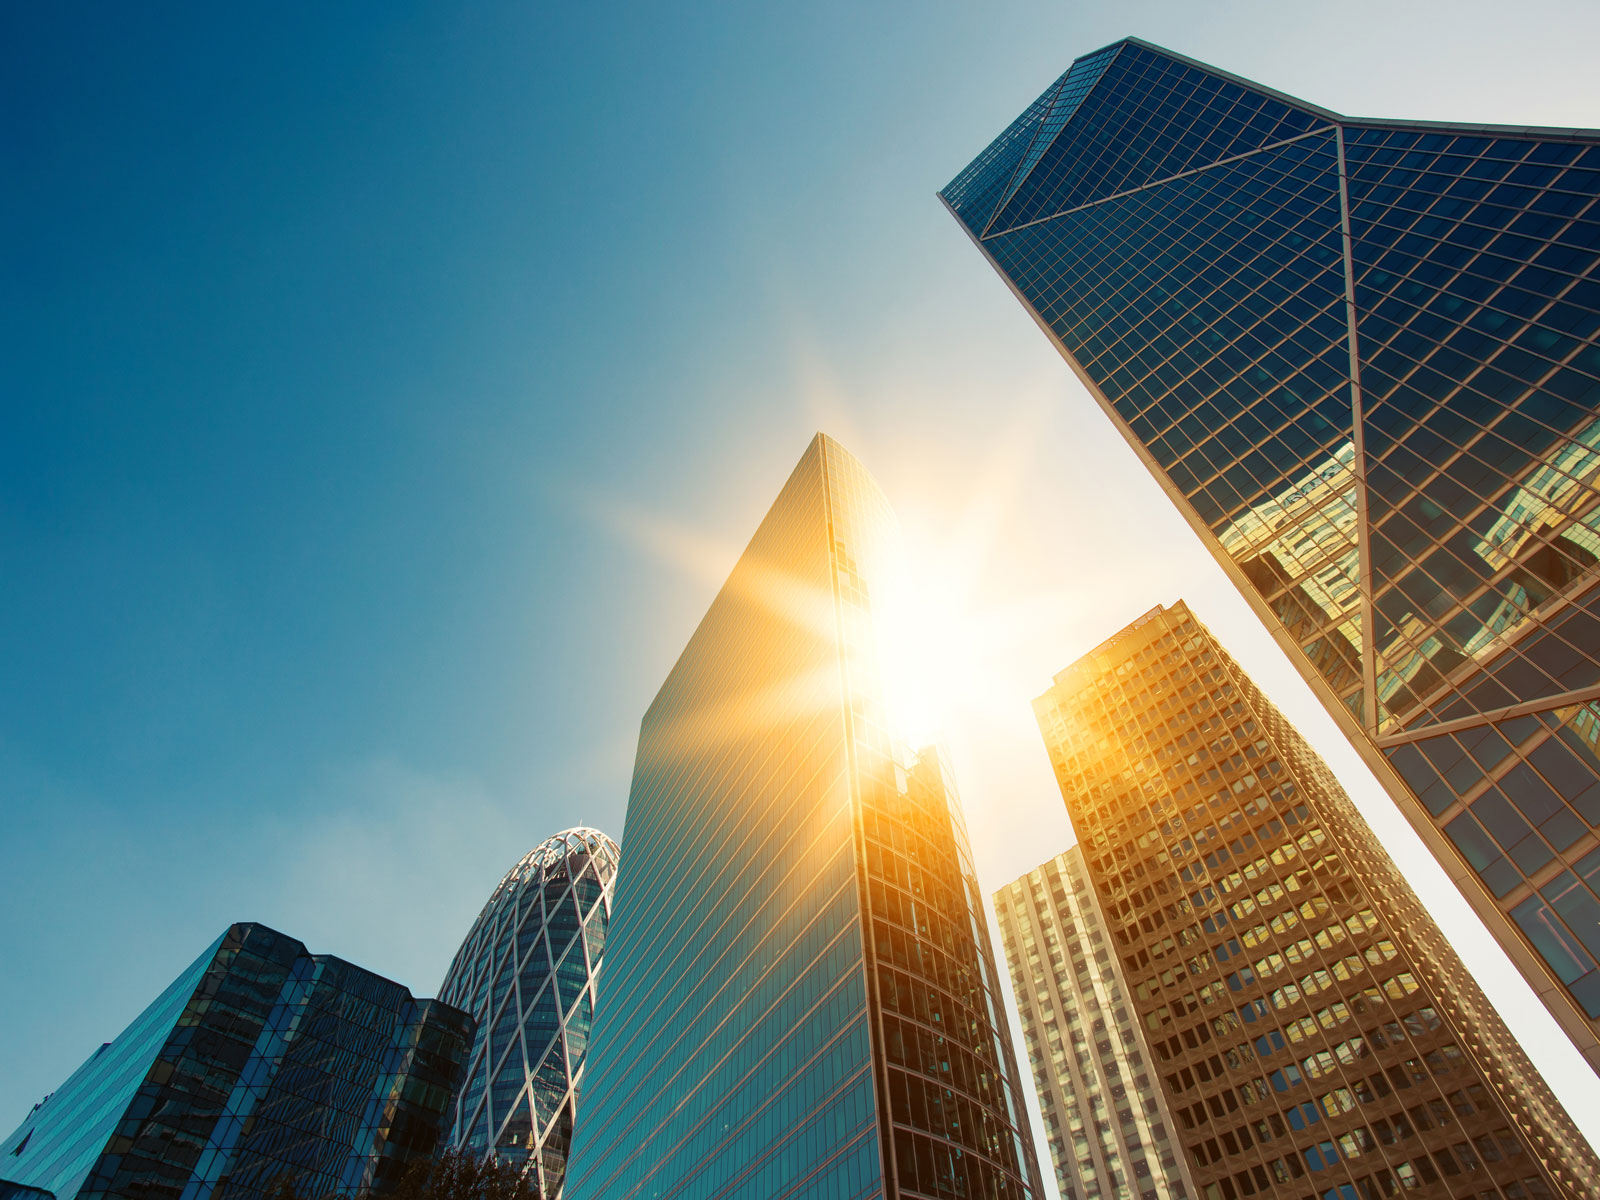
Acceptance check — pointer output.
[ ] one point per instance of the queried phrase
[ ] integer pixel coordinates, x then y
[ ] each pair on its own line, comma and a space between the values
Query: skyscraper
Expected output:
261, 1064
526, 973
1315, 1033
799, 997
1109, 1130
1360, 357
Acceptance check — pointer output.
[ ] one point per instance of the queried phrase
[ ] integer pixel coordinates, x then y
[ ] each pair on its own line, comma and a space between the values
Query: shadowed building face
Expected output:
261, 1069
799, 997
1360, 357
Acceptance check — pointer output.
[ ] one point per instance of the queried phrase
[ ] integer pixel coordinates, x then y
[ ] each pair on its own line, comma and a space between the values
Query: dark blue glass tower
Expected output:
260, 1065
1360, 357
799, 997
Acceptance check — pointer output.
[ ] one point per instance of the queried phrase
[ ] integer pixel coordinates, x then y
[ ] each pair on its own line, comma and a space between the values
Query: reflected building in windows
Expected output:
799, 996
1313, 1032
1360, 357
526, 973
261, 1066
1110, 1134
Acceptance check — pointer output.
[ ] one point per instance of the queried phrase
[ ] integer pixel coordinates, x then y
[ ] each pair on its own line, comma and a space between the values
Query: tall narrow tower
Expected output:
1110, 1134
1314, 1031
799, 997
1361, 358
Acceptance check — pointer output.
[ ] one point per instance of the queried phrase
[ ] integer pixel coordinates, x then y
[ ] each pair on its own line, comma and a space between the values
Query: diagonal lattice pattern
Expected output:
1361, 356
526, 971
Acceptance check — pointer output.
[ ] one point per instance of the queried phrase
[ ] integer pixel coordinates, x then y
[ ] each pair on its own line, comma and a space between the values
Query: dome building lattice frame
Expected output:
526, 972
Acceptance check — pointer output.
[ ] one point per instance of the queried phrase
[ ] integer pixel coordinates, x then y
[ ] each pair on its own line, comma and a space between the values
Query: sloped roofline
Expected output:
1551, 132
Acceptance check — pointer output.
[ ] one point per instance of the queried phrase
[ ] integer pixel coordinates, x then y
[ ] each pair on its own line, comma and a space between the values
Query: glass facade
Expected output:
260, 1064
1108, 1126
799, 996
1314, 1033
1360, 356
526, 973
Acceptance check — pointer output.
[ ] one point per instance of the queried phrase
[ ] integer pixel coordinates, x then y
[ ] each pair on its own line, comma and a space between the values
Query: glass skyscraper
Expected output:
1314, 1034
526, 973
799, 997
1111, 1136
1360, 357
260, 1065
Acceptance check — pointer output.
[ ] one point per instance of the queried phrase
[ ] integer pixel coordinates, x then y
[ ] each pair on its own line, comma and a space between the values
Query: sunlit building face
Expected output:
1312, 1032
1360, 357
799, 997
1110, 1134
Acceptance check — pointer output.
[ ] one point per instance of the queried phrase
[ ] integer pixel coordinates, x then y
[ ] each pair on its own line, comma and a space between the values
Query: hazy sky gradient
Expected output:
386, 389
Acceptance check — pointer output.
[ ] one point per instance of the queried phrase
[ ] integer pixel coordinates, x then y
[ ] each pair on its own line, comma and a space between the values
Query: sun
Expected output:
925, 630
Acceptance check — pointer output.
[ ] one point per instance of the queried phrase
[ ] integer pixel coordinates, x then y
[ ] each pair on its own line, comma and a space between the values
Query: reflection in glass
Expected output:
799, 996
262, 1067
525, 971
1363, 358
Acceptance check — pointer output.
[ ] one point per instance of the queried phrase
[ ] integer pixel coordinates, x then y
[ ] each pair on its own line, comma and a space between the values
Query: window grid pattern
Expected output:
949, 1075
1480, 379
1437, 561
57, 1146
1204, 334
1153, 118
263, 1064
1313, 1030
784, 903
526, 972
960, 1129
1068, 94
1108, 1128
977, 190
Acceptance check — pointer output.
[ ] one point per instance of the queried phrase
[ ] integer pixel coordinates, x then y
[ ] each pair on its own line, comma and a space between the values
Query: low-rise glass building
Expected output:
262, 1065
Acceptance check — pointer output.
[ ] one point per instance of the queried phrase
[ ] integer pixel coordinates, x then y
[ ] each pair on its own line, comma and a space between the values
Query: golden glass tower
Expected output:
1315, 1034
799, 997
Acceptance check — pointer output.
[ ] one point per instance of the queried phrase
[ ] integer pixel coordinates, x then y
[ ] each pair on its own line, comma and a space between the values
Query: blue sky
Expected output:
384, 388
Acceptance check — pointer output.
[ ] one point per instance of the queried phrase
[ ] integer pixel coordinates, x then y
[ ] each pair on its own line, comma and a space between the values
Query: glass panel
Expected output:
1478, 399
1182, 118
1228, 356
731, 1052
537, 889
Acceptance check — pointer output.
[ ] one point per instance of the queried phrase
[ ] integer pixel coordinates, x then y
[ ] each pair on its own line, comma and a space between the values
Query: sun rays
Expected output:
950, 644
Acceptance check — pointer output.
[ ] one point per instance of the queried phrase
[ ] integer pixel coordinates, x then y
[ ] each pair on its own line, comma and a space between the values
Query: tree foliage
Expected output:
453, 1175
458, 1175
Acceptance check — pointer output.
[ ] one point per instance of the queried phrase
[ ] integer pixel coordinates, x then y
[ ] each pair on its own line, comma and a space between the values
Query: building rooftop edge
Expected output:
340, 959
995, 895
818, 445
1558, 132
1059, 677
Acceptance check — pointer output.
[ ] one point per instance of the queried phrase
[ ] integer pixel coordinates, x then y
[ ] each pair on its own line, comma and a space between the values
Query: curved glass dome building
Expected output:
526, 972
